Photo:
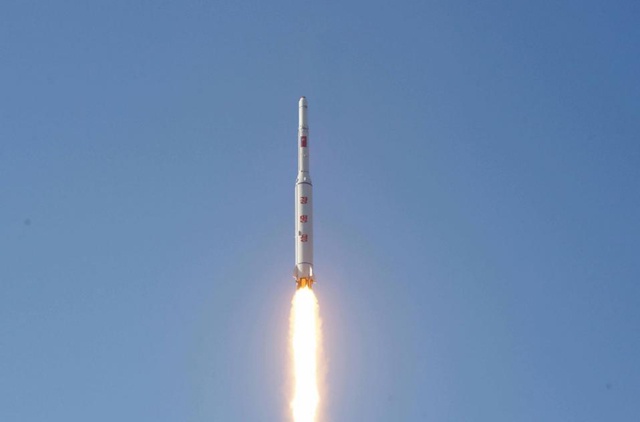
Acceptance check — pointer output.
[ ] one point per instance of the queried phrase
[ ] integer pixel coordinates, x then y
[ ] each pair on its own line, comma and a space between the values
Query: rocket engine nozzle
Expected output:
301, 283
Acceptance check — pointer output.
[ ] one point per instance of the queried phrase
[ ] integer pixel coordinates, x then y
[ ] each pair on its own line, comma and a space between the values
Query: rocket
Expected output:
303, 271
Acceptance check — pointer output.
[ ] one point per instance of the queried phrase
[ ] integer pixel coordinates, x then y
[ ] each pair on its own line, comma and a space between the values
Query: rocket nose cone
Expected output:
303, 102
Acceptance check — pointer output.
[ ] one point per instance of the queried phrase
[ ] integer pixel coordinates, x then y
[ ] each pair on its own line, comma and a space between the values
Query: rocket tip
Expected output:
303, 101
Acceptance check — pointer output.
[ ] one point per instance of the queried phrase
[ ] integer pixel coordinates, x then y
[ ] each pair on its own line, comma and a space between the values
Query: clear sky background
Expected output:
476, 168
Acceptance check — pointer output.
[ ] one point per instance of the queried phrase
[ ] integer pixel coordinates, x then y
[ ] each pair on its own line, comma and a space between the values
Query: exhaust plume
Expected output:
305, 342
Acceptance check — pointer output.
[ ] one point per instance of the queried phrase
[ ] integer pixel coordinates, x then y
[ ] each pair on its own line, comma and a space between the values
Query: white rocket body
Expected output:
303, 271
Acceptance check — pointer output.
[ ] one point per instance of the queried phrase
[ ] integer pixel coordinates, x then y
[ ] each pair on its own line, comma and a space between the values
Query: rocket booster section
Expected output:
303, 271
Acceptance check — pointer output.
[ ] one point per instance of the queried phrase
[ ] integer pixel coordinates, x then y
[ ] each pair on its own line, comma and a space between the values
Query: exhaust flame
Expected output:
305, 338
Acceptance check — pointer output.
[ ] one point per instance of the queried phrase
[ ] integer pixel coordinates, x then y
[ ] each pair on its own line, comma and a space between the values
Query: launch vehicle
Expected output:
303, 271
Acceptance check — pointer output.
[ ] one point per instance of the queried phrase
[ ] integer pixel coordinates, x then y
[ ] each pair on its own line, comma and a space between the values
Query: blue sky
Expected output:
477, 193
